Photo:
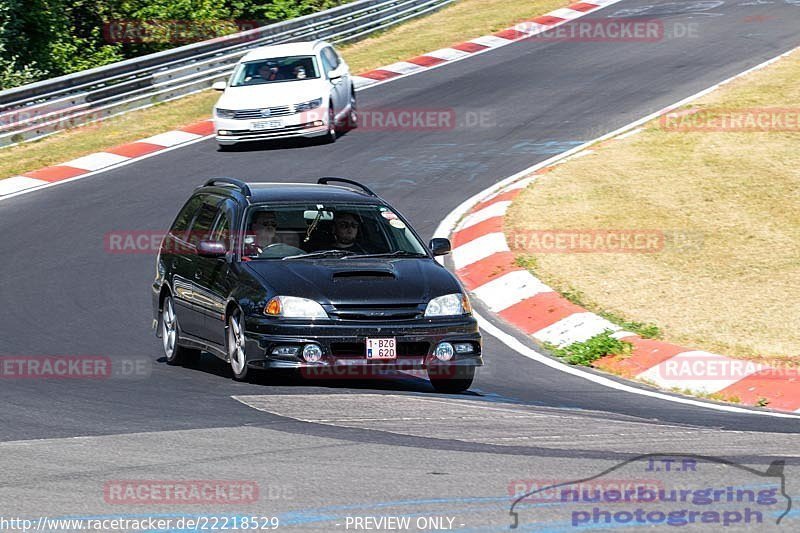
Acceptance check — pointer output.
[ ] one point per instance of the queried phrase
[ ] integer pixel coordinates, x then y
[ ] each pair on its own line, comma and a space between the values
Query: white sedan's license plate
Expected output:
267, 124
381, 349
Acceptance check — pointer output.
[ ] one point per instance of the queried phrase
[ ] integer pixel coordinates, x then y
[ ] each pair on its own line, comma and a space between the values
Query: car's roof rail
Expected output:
328, 179
242, 186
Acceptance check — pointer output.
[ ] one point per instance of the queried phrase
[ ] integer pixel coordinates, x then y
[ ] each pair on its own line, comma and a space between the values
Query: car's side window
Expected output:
222, 228
185, 217
329, 59
204, 219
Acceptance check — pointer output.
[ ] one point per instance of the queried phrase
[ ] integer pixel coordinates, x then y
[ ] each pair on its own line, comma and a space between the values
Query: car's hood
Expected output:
272, 94
353, 281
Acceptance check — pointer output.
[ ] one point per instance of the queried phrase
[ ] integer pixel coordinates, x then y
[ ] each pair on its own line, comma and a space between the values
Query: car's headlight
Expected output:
294, 307
305, 106
224, 113
449, 305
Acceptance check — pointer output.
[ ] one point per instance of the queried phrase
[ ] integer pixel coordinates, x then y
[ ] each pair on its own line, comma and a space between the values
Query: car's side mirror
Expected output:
336, 74
440, 246
211, 249
219, 85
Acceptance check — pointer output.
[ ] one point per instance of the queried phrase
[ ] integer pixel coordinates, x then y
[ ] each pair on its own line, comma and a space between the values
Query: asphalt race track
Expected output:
322, 451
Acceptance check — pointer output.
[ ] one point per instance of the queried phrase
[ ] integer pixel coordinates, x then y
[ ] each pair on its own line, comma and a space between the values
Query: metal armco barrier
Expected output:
46, 107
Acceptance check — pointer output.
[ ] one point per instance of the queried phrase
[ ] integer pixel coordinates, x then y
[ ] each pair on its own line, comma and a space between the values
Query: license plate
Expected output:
381, 349
267, 124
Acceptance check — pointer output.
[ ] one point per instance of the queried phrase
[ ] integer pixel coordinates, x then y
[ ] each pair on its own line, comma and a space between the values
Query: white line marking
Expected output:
566, 13
497, 209
510, 289
96, 161
492, 41
577, 327
449, 54
479, 248
171, 138
402, 67
18, 183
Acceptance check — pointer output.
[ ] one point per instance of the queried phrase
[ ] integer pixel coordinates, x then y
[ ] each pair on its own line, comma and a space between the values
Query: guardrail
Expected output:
39, 109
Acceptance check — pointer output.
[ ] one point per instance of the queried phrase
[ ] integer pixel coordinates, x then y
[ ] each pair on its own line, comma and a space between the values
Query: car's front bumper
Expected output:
343, 344
232, 131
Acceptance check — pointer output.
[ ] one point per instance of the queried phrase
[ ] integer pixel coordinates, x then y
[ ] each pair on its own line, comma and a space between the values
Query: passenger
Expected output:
345, 233
299, 72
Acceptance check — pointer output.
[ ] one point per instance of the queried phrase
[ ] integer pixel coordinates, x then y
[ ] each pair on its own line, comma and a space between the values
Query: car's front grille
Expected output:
358, 350
376, 313
266, 112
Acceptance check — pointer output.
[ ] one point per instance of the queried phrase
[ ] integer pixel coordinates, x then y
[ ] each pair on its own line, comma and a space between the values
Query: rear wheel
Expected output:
236, 352
170, 333
452, 380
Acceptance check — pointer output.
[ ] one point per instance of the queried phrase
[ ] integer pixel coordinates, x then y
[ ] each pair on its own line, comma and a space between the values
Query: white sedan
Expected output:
286, 90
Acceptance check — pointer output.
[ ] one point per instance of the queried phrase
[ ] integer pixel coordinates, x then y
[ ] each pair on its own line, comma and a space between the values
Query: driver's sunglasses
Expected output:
344, 224
266, 223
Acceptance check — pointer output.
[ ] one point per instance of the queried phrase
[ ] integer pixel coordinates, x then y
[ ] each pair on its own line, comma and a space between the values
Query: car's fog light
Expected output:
285, 350
224, 132
312, 353
319, 123
443, 351
463, 347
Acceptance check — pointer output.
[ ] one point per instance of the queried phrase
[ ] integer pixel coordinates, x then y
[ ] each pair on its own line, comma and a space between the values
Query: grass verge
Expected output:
465, 19
728, 205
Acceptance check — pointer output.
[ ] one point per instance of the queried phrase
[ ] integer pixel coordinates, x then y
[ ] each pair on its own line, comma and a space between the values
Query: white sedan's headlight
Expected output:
294, 307
449, 305
306, 106
224, 113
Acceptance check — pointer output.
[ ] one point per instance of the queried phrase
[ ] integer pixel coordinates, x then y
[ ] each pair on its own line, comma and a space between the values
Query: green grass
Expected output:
587, 352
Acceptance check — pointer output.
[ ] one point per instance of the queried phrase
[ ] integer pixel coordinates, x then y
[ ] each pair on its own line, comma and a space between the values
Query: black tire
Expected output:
225, 147
234, 343
174, 353
332, 134
453, 380
352, 117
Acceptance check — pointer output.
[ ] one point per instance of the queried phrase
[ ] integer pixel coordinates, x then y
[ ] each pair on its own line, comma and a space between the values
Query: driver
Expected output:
264, 225
345, 232
269, 72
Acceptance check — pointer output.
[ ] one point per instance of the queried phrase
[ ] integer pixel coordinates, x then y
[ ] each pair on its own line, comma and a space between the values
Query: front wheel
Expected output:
453, 379
330, 137
170, 333
352, 117
236, 352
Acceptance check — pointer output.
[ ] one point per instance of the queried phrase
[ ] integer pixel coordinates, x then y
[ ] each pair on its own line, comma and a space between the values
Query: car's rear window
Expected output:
292, 231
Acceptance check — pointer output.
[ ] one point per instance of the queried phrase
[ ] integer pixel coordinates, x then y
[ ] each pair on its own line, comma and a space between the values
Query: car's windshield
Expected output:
334, 230
276, 69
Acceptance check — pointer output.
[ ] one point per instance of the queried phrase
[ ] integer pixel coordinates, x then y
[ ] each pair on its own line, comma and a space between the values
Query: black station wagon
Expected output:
327, 278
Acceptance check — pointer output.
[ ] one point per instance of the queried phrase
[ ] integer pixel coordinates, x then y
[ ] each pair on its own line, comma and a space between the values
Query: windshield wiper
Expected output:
321, 253
398, 253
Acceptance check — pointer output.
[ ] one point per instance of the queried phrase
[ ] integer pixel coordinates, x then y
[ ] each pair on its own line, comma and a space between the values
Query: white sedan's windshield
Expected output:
295, 231
276, 69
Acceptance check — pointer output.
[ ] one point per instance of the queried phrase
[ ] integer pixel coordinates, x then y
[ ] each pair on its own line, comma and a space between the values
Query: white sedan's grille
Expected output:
267, 112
